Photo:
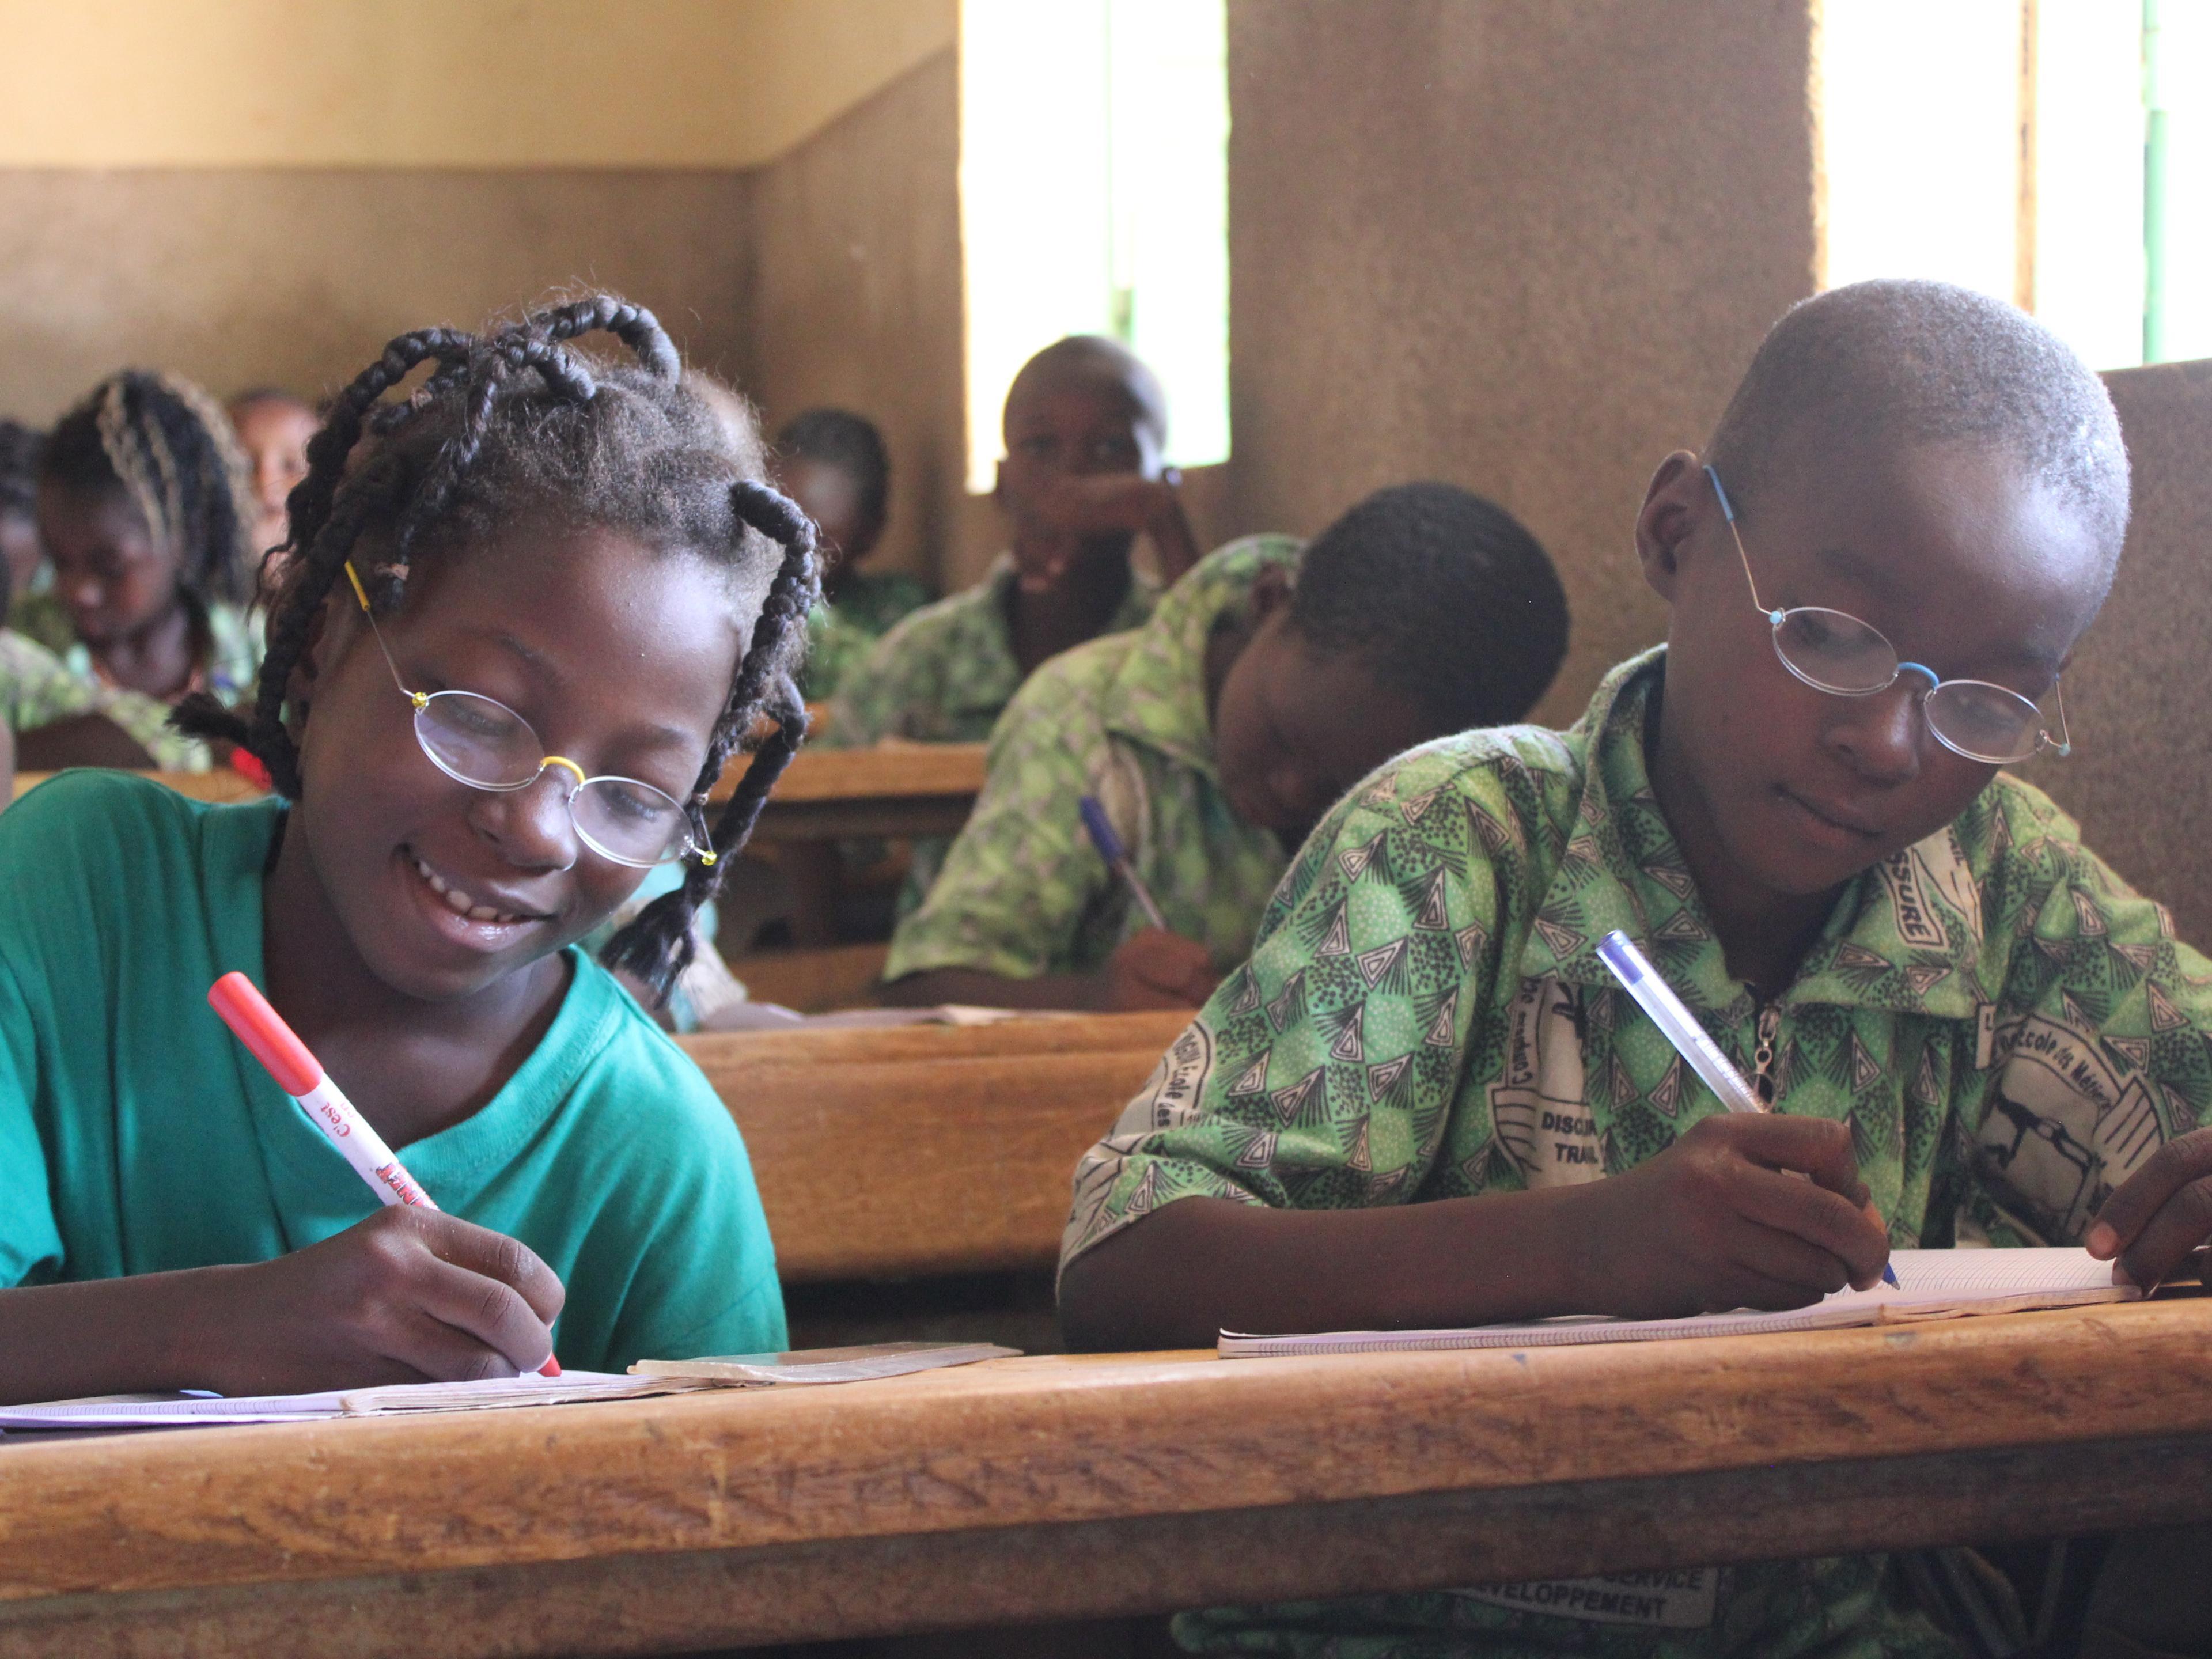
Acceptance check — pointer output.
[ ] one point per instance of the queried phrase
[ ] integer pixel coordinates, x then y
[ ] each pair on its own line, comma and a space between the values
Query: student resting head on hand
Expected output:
1422, 1101
1269, 680
535, 606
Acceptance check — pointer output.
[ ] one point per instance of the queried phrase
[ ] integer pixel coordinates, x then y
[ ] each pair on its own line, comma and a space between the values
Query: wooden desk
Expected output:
1089, 1488
896, 791
926, 1149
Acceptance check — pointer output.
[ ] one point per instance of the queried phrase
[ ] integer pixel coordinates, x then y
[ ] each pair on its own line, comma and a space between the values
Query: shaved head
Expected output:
1911, 363
1093, 362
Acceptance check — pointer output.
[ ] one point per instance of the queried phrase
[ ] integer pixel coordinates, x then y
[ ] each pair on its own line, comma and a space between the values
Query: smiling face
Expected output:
114, 575
619, 659
1776, 788
1294, 727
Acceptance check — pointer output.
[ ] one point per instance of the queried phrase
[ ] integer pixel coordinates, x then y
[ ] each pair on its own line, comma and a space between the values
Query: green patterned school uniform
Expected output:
2009, 1030
945, 674
1124, 718
38, 688
841, 632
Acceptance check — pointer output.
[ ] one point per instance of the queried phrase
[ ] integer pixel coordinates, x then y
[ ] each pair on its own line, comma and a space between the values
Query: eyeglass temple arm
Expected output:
2065, 744
417, 698
1727, 512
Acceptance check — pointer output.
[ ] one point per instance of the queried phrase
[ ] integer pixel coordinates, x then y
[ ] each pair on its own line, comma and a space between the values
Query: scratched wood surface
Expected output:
926, 1149
1180, 1479
894, 790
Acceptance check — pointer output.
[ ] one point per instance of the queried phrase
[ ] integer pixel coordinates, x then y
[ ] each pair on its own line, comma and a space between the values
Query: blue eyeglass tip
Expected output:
1778, 618
1727, 508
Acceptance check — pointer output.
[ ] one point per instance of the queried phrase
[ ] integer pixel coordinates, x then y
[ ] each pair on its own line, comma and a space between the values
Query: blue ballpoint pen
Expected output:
1117, 858
1681, 1027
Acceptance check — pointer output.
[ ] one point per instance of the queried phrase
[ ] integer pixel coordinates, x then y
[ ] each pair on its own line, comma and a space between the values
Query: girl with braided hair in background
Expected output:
143, 512
529, 610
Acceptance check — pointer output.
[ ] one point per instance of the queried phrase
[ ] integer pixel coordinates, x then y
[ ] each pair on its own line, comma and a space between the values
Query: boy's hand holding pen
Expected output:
1753, 1226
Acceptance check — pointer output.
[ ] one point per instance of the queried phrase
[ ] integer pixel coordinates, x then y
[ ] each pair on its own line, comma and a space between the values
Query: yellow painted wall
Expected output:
442, 83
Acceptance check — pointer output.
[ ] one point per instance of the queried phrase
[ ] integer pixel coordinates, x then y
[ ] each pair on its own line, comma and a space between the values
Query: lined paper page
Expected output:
1932, 1284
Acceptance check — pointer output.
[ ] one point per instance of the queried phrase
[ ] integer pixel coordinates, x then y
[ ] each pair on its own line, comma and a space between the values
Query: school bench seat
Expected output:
926, 1149
894, 790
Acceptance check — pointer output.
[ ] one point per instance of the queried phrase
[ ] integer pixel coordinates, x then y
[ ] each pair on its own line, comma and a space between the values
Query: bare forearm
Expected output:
1200, 1265
973, 986
103, 1336
1173, 541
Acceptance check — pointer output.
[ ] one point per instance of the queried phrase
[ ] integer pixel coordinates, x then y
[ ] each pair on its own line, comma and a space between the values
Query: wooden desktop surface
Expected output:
894, 790
1056, 1487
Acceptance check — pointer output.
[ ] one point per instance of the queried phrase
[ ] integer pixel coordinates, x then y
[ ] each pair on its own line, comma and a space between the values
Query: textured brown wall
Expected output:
297, 277
2138, 694
1524, 246
855, 296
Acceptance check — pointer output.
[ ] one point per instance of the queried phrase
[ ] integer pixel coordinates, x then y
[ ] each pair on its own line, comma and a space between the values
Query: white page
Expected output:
1932, 1284
128, 1410
870, 1363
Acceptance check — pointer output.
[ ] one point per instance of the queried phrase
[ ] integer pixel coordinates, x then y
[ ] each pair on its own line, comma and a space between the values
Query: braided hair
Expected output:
167, 445
512, 422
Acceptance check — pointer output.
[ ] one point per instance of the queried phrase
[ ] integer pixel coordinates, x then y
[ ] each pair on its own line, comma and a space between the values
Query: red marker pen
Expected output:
300, 1075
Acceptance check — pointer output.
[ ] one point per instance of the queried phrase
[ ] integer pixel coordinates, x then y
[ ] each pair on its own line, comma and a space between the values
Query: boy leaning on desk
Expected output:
1397, 1113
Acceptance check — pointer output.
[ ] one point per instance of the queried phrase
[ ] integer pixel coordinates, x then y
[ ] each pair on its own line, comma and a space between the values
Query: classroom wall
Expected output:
1522, 246
296, 277
2136, 694
853, 296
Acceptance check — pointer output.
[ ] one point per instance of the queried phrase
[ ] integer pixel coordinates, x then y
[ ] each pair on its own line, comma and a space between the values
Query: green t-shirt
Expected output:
137, 1135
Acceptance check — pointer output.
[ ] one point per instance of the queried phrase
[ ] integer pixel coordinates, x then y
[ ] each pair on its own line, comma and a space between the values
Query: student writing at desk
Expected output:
1422, 1102
1269, 680
522, 630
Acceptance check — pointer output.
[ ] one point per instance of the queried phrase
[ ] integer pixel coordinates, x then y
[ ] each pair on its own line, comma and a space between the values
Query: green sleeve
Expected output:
1323, 1073
1014, 889
30, 1238
2097, 1045
872, 688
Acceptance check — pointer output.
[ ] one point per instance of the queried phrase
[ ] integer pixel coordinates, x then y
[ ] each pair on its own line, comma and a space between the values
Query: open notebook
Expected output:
1931, 1285
804, 1366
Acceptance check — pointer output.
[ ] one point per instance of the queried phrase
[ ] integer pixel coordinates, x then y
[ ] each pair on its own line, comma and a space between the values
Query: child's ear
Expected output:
300, 686
1666, 519
998, 485
1271, 591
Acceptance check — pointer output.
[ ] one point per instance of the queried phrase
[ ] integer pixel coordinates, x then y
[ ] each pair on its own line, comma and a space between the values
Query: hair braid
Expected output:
658, 945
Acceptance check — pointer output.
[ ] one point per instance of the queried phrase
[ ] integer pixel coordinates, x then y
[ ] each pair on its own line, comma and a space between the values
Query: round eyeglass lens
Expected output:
630, 822
1984, 722
1831, 650
478, 741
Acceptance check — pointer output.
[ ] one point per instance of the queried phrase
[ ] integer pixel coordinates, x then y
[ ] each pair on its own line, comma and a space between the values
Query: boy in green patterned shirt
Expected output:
1268, 681
1422, 1102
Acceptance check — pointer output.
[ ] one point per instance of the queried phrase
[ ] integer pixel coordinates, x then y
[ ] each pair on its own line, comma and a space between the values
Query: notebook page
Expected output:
138, 1410
1932, 1284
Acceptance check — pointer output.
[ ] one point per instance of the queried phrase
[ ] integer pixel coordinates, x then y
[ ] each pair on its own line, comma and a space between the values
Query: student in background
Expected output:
553, 552
144, 509
20, 550
1957, 1011
833, 462
1268, 681
273, 427
1085, 426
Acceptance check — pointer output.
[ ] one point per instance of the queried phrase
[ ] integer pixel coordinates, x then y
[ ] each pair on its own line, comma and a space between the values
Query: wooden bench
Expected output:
926, 1149
1092, 1487
894, 790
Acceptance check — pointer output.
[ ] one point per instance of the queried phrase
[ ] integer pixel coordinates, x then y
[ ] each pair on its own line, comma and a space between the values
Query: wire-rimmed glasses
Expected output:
481, 742
1835, 651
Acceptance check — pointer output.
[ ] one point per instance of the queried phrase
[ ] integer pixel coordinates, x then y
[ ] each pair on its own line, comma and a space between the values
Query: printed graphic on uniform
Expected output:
1936, 865
1169, 1098
2063, 1129
1538, 1109
1686, 1599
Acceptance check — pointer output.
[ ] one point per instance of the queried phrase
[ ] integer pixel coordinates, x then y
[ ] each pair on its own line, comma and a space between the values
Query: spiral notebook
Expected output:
1931, 1285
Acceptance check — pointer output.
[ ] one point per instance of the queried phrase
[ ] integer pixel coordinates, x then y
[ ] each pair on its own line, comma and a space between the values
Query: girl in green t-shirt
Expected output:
535, 556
